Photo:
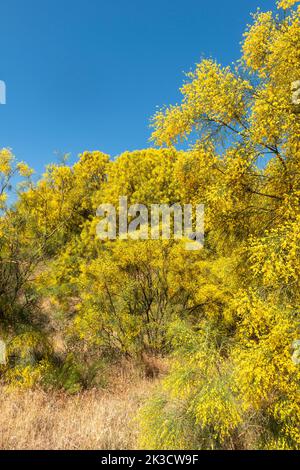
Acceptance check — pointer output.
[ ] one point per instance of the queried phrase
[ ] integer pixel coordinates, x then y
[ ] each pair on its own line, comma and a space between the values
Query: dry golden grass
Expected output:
97, 419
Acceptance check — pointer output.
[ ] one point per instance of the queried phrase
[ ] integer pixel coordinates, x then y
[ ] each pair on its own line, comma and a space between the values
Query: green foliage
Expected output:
72, 375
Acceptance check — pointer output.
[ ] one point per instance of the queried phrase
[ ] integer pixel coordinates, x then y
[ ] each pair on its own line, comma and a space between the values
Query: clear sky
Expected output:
87, 75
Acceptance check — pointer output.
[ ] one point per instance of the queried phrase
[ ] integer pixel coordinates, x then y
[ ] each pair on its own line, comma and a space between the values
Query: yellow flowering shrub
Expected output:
227, 316
234, 382
285, 4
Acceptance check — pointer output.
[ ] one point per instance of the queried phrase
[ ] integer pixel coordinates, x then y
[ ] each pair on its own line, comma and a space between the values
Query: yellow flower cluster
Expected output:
285, 4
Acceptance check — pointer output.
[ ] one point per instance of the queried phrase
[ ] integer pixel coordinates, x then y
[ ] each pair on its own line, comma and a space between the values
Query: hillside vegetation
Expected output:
216, 329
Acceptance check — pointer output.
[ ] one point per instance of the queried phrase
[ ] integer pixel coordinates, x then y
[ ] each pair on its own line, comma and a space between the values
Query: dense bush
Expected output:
227, 315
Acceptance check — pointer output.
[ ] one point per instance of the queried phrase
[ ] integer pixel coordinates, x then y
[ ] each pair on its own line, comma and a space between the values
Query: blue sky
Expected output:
88, 75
